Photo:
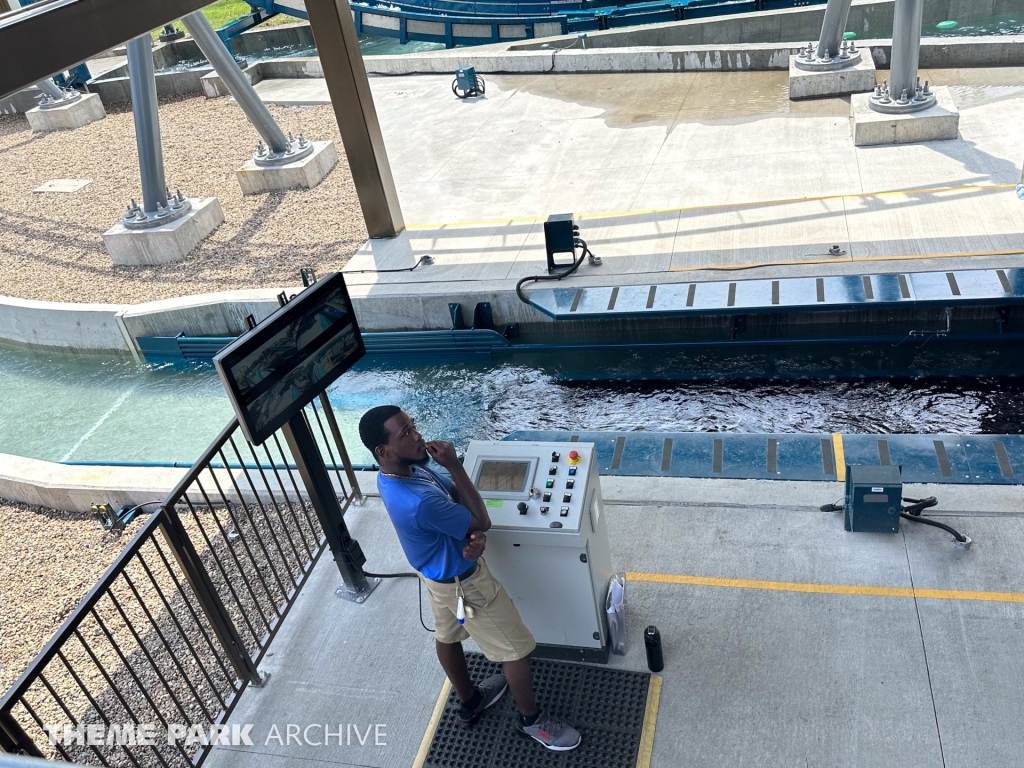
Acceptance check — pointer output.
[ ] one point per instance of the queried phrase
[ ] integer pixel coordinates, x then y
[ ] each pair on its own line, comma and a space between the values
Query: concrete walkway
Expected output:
788, 667
680, 171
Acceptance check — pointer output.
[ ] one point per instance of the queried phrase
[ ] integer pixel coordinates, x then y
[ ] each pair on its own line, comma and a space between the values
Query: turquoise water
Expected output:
98, 408
1005, 24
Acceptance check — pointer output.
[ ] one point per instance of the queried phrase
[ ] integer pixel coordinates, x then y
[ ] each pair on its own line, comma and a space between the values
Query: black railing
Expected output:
175, 629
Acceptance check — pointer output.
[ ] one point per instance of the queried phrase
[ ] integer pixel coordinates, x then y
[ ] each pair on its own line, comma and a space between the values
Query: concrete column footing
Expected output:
938, 123
169, 242
85, 110
859, 78
303, 174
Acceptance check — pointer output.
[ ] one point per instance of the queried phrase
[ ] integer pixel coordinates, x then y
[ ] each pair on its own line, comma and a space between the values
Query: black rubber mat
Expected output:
606, 706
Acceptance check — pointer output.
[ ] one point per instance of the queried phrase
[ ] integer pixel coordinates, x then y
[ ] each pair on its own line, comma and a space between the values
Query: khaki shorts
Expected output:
496, 626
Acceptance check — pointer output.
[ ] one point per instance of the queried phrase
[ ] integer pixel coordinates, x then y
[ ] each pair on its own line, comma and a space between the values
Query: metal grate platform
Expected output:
606, 706
995, 287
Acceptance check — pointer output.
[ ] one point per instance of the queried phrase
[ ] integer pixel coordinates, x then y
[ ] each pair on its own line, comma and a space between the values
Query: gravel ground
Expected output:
51, 559
52, 249
48, 562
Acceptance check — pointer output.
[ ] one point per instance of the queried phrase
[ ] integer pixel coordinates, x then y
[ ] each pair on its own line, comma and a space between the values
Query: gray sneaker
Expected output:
491, 690
554, 735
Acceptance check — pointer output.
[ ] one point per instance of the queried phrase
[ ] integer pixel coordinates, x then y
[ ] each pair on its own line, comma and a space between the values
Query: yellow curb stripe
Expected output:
828, 589
718, 206
643, 757
847, 260
840, 457
435, 718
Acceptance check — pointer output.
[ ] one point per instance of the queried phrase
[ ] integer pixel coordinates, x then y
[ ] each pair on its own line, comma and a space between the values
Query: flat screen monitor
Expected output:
275, 370
507, 476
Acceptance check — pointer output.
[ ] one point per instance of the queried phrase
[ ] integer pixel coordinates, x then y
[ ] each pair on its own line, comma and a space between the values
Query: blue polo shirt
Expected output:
431, 527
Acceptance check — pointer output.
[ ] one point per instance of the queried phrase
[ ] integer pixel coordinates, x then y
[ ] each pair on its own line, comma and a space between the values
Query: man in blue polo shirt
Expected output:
440, 524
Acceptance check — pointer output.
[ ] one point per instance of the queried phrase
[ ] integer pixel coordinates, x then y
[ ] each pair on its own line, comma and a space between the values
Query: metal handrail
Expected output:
233, 585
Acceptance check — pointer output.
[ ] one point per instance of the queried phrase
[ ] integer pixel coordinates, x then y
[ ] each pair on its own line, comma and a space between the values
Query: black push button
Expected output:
552, 470
521, 506
566, 498
570, 484
546, 497
555, 456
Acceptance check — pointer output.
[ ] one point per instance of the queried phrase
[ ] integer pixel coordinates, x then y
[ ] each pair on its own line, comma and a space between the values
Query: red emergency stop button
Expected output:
574, 457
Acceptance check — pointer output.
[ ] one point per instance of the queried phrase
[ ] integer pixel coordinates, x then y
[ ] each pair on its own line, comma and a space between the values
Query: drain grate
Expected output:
606, 706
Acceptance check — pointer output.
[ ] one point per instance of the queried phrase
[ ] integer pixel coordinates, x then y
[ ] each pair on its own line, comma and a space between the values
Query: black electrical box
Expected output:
560, 237
873, 499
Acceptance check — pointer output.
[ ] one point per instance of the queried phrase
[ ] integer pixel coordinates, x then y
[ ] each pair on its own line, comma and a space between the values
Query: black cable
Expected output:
419, 583
555, 53
918, 505
140, 506
557, 276
425, 258
917, 519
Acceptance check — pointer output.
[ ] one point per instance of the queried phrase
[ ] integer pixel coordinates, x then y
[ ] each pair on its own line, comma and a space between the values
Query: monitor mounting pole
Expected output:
346, 551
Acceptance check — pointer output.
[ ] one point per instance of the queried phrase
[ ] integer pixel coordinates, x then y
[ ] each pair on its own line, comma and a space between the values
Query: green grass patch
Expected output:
225, 11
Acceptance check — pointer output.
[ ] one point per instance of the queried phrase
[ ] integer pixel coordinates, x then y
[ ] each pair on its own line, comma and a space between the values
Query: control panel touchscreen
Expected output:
509, 476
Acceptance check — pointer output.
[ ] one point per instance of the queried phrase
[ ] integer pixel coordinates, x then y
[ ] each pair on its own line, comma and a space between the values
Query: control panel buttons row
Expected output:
563, 512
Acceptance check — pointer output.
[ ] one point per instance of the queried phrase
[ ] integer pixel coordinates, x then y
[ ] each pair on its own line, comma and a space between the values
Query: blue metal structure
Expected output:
412, 348
477, 22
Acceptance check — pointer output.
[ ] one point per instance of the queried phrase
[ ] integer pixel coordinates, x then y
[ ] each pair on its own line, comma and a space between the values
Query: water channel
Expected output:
103, 408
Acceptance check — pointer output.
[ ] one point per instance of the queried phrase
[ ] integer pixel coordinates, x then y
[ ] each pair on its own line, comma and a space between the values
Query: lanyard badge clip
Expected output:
462, 610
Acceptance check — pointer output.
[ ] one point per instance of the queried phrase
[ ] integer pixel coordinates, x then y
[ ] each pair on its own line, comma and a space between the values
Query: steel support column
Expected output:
837, 12
833, 52
54, 96
282, 150
334, 32
50, 88
906, 47
142, 80
902, 93
158, 205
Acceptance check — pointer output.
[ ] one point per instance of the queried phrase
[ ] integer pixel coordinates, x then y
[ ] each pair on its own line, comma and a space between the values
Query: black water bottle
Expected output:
652, 642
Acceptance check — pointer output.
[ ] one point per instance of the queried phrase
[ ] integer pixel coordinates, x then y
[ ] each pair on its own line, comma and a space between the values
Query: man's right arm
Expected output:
467, 494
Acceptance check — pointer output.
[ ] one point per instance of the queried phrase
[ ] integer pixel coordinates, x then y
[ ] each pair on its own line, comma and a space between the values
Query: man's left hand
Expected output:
475, 548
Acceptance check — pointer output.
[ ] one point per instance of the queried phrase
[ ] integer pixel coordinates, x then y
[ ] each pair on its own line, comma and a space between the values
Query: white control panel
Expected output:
532, 485
548, 542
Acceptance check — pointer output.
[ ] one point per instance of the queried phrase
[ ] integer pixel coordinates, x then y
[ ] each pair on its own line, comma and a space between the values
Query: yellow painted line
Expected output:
435, 718
840, 457
847, 260
828, 589
643, 758
718, 206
